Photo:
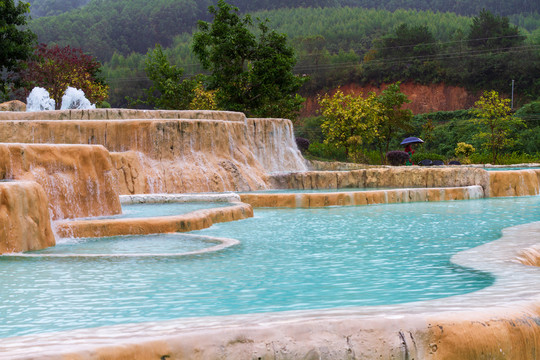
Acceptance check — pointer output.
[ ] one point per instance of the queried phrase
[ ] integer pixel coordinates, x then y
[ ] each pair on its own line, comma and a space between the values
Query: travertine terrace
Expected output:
62, 165
24, 217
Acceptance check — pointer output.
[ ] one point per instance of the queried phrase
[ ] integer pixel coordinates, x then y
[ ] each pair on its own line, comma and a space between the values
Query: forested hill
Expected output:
103, 27
39, 8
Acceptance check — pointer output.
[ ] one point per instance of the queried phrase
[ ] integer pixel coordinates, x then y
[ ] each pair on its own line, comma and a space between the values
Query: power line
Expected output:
436, 56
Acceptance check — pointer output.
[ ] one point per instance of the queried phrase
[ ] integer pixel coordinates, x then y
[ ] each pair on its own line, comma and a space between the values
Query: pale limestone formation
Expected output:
529, 256
384, 177
169, 151
195, 220
514, 183
308, 200
13, 105
125, 114
315, 165
78, 179
179, 198
24, 217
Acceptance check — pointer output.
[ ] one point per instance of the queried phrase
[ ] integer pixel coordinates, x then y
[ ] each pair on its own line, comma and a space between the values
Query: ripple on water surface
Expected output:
288, 259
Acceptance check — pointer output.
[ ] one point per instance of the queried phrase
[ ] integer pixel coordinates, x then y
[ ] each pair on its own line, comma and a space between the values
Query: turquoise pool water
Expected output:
510, 168
165, 209
288, 259
296, 191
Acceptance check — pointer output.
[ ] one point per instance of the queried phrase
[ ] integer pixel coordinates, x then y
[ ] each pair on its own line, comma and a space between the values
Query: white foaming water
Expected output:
39, 100
75, 99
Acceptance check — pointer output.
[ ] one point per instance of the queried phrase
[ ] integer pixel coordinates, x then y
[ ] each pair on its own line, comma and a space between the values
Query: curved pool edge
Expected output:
195, 220
500, 321
223, 243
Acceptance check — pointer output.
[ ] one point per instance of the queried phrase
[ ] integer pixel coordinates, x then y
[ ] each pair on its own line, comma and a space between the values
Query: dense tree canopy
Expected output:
336, 46
102, 27
169, 89
40, 8
491, 32
250, 73
16, 43
56, 68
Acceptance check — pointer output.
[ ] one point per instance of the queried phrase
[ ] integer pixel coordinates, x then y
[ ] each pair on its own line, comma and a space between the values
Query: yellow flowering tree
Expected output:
350, 121
494, 115
354, 121
203, 99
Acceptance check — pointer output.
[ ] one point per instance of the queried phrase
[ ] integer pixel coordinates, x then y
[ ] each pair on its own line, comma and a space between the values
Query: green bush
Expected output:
506, 159
327, 151
463, 151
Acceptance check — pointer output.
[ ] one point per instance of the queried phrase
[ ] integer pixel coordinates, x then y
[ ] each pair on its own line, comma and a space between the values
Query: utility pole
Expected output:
512, 107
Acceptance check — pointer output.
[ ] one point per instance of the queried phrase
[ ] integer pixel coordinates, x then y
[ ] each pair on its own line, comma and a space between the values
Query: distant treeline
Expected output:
335, 46
39, 8
103, 27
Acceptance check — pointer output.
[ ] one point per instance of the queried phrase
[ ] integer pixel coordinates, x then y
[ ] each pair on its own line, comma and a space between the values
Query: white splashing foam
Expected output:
39, 100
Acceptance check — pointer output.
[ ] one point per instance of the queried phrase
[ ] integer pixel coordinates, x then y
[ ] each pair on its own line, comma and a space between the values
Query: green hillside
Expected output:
103, 27
332, 44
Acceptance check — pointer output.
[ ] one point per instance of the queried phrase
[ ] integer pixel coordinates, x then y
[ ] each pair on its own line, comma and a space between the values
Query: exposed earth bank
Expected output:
424, 98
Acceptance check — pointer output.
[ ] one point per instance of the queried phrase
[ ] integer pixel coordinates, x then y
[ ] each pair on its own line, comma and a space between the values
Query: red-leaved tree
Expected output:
56, 68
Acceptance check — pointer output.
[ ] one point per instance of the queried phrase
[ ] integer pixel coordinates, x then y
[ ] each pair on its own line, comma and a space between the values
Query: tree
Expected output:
56, 68
350, 121
169, 89
490, 32
392, 118
355, 122
251, 73
166, 91
16, 44
494, 113
407, 42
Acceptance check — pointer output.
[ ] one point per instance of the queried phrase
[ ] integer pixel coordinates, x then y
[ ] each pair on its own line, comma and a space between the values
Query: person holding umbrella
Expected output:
408, 142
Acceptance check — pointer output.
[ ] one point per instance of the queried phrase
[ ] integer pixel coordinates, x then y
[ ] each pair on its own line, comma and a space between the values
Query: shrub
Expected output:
506, 159
396, 158
464, 150
327, 151
303, 144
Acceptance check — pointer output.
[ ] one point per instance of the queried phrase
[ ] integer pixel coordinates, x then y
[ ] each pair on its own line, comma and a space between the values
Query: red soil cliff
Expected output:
424, 98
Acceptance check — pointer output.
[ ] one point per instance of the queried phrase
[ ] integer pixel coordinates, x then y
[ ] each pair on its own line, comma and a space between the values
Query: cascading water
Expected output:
39, 100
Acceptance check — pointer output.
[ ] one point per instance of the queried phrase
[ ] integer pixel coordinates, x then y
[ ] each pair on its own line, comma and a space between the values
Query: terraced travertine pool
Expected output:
287, 259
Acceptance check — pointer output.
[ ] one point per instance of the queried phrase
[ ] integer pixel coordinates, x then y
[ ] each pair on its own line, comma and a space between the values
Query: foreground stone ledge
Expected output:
24, 217
196, 220
352, 198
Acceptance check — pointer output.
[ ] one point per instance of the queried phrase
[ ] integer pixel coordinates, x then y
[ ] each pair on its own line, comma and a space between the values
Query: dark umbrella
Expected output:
412, 140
